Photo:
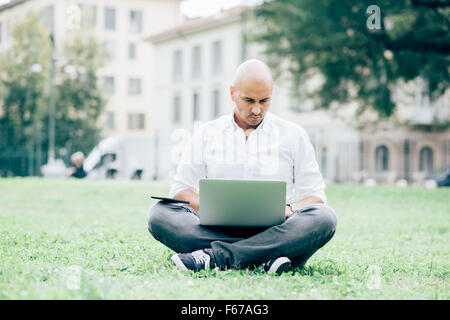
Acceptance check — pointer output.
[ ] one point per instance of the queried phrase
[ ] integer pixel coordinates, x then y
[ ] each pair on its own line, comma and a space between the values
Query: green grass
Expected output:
391, 243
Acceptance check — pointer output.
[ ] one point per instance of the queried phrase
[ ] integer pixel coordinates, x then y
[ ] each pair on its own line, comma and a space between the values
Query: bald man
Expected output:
250, 144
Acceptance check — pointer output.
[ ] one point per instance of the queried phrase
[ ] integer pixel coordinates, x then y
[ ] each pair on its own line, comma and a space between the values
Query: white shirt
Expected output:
276, 150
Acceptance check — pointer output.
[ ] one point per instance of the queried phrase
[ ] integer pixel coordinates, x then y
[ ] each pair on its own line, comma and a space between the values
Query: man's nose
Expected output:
256, 109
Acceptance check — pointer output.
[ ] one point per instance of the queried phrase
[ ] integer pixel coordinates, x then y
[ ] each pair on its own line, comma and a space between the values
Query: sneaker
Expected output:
276, 266
196, 260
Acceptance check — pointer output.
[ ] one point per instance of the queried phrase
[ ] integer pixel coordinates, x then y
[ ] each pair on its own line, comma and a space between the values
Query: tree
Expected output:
25, 85
79, 100
358, 62
23, 90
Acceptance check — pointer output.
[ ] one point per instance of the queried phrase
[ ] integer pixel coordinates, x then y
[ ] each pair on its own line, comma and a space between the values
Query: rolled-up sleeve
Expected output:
191, 167
308, 180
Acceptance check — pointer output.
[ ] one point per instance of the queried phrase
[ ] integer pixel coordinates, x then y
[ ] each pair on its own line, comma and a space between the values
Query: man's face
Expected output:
77, 162
252, 99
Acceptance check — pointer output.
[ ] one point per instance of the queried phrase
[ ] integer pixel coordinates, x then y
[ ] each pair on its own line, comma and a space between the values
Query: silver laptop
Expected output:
242, 202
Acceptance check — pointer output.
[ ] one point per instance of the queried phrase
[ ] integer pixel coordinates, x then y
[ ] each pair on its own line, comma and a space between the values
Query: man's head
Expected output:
77, 158
252, 92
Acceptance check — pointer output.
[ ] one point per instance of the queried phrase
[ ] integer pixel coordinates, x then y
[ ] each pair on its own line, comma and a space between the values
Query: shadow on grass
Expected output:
328, 269
324, 268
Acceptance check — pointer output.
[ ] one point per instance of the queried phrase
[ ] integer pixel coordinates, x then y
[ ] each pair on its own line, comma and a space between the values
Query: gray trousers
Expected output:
298, 237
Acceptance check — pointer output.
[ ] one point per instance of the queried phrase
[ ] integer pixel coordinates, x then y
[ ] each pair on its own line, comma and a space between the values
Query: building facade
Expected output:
165, 76
195, 63
120, 26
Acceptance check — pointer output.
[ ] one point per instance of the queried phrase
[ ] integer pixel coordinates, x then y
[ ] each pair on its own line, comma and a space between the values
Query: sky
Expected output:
195, 8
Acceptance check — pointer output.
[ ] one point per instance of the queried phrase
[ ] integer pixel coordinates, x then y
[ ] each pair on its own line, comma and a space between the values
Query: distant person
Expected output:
309, 223
77, 169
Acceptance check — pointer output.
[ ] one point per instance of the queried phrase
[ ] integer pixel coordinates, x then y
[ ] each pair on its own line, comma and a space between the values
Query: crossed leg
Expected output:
298, 238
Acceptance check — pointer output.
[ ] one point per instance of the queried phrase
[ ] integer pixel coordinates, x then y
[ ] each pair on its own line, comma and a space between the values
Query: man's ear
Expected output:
232, 92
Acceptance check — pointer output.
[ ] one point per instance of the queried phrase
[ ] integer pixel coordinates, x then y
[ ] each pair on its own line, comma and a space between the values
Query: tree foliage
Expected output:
358, 63
25, 90
79, 100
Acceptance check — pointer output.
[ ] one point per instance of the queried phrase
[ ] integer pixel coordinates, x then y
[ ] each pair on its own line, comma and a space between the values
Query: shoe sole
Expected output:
280, 265
176, 259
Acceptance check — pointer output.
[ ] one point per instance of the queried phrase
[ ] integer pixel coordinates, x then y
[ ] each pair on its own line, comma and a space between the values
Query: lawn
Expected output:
67, 239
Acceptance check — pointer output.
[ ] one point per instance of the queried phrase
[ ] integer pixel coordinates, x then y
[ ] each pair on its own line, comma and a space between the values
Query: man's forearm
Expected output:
302, 203
191, 196
308, 200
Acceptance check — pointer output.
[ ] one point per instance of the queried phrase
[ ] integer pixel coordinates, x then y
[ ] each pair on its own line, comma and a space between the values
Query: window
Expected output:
136, 121
216, 103
110, 120
381, 159
177, 65
48, 17
323, 161
426, 159
110, 48
135, 21
196, 62
6, 30
132, 51
134, 86
141, 121
176, 109
110, 18
109, 84
196, 106
217, 65
88, 15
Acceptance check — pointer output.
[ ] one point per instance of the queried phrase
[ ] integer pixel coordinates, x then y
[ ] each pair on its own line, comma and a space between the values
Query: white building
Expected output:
194, 67
195, 64
119, 25
166, 75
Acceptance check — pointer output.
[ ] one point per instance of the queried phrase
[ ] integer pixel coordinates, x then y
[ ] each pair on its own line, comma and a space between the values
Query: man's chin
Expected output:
254, 122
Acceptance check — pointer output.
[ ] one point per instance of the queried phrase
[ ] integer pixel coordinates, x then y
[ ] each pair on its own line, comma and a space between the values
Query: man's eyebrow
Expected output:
252, 100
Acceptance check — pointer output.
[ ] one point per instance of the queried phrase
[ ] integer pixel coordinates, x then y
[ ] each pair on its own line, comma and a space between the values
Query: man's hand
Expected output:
302, 203
288, 212
191, 196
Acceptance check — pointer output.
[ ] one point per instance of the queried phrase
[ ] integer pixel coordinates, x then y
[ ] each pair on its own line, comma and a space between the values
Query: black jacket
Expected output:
79, 172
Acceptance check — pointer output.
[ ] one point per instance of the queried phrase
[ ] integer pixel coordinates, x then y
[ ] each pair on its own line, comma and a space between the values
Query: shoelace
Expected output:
264, 265
200, 257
